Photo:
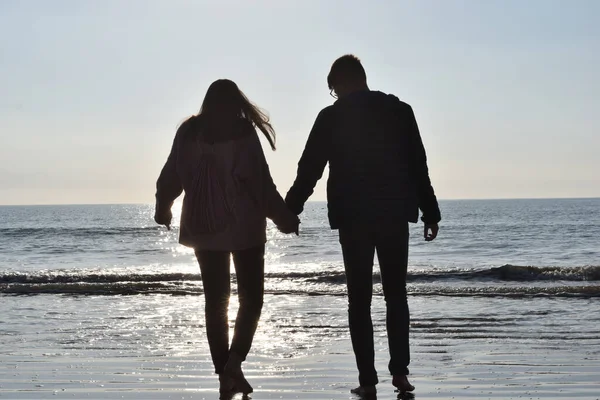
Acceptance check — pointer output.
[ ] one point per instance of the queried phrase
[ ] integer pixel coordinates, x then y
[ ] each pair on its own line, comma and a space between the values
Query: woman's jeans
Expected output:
249, 271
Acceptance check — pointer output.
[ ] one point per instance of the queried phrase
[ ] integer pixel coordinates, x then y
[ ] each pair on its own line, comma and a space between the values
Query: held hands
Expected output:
430, 232
290, 226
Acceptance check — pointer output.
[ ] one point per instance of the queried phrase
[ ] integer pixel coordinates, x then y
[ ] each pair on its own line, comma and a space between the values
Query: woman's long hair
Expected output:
225, 102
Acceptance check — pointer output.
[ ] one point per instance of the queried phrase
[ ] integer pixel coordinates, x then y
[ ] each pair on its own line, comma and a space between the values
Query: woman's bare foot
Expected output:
225, 384
233, 370
402, 384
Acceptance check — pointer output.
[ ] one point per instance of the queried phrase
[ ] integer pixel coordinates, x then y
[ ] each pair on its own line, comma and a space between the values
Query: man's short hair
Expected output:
347, 68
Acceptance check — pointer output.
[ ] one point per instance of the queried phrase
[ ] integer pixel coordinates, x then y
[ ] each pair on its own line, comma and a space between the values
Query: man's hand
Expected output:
430, 232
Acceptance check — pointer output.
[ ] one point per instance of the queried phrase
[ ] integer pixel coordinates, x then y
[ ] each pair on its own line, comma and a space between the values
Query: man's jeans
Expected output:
358, 247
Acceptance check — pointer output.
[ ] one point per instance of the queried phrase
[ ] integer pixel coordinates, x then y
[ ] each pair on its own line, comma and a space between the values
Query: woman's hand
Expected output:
164, 218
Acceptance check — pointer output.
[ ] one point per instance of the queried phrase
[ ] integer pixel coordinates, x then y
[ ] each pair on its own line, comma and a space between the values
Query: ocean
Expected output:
485, 247
508, 286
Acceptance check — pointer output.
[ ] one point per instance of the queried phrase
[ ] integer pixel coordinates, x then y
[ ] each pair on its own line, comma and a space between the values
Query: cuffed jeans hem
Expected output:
368, 381
399, 371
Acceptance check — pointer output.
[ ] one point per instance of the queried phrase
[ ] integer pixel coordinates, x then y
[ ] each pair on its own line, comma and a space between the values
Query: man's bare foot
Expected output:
402, 384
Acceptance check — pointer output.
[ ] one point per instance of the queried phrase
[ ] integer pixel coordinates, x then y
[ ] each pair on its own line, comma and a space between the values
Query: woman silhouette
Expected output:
218, 161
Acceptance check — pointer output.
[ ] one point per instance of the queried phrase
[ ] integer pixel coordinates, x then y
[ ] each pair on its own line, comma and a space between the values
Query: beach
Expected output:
154, 347
97, 302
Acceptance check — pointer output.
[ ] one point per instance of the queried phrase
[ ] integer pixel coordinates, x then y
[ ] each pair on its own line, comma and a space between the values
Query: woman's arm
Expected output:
168, 185
264, 188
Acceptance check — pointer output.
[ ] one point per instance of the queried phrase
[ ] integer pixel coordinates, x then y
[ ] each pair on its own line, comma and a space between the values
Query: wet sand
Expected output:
310, 377
155, 349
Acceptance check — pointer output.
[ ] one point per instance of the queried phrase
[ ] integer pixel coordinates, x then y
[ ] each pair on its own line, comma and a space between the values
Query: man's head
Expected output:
347, 75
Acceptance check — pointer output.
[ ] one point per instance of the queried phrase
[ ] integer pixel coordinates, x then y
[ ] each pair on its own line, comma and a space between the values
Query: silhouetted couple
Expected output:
378, 181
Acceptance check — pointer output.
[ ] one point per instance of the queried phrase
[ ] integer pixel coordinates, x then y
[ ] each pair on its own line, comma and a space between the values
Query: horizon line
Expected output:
312, 201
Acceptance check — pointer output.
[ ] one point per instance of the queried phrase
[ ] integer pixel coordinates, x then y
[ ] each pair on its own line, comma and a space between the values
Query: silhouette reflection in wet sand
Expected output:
400, 396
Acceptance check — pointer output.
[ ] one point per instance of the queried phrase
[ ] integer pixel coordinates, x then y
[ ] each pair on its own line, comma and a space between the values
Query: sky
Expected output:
506, 93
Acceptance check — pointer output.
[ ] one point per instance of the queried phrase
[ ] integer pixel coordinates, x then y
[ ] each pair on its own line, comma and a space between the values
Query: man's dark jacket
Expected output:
377, 163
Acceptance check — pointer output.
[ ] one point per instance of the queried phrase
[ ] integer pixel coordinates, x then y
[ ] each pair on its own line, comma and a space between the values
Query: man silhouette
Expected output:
378, 180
